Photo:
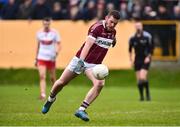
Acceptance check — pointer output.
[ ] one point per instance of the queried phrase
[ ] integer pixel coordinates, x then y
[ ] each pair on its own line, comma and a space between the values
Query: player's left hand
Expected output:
35, 63
57, 53
147, 59
79, 67
114, 42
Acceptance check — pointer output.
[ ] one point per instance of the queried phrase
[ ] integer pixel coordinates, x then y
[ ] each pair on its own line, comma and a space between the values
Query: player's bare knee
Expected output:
143, 78
100, 83
42, 77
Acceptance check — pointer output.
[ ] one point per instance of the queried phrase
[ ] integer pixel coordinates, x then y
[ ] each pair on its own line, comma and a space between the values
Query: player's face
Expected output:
46, 24
139, 26
111, 22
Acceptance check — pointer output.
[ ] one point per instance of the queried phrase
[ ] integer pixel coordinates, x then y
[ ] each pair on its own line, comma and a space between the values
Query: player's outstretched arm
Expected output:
86, 48
80, 64
37, 50
58, 47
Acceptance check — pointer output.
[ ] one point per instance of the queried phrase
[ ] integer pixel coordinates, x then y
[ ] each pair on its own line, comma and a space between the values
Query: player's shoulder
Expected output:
147, 34
53, 30
40, 31
97, 25
132, 36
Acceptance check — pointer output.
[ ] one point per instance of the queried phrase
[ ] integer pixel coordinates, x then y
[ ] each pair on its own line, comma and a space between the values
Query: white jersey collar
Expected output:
103, 22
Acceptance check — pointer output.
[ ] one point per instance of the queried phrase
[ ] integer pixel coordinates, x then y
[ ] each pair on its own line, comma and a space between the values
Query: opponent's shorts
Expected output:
141, 65
73, 63
48, 64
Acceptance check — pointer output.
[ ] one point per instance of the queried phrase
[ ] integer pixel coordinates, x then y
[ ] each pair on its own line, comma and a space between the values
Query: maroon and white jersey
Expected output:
103, 41
47, 40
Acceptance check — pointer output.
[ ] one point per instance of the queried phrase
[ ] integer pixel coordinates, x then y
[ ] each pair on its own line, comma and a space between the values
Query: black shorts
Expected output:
141, 65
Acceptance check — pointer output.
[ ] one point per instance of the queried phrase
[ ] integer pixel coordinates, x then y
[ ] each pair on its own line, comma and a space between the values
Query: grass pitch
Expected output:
115, 106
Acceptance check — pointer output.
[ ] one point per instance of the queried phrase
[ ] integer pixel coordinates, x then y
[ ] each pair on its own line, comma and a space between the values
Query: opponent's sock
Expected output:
84, 106
140, 87
146, 84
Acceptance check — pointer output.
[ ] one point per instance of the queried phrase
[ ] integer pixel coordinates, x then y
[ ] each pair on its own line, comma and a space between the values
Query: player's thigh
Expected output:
52, 72
143, 74
42, 71
137, 67
137, 75
90, 76
144, 70
67, 76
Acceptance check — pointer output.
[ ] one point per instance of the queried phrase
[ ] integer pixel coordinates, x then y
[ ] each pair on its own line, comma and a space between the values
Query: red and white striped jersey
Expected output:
47, 40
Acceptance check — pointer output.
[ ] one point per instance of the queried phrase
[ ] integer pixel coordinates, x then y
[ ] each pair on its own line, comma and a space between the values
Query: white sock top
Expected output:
51, 99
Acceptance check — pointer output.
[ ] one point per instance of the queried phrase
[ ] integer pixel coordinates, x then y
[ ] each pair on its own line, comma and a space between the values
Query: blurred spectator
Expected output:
9, 10
162, 13
176, 13
40, 10
58, 12
136, 11
123, 10
148, 13
89, 12
25, 10
100, 10
109, 7
74, 11
115, 2
90, 9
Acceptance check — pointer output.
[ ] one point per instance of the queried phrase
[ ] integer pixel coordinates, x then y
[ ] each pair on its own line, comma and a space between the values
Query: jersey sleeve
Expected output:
37, 37
130, 45
150, 44
93, 32
57, 37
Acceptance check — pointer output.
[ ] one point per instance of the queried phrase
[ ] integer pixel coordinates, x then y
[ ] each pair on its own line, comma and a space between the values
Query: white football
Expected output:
100, 71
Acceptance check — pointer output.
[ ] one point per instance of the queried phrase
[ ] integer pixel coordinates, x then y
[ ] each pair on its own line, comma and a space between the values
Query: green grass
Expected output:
115, 106
159, 78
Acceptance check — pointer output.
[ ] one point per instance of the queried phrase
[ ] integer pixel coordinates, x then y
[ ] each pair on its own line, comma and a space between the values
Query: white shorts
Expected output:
73, 64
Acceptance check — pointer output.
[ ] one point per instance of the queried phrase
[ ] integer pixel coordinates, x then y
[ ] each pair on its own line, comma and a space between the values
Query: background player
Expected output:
101, 36
47, 51
141, 41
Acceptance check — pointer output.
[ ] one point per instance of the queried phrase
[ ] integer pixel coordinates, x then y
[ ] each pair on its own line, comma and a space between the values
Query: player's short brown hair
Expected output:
47, 19
115, 14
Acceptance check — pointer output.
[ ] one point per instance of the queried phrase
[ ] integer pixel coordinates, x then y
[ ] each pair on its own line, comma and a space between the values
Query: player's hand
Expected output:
132, 63
79, 67
114, 42
147, 60
57, 54
35, 63
131, 60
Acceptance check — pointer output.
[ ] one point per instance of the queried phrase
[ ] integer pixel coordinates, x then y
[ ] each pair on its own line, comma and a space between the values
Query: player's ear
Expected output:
106, 18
